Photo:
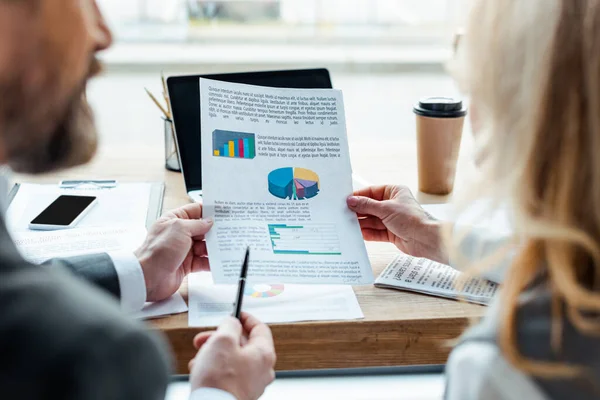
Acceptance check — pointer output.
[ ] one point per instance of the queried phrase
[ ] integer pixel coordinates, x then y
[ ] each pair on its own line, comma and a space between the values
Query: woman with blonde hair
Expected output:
532, 68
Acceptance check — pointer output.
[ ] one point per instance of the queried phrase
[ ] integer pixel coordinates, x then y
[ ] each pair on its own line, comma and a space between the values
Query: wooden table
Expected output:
398, 329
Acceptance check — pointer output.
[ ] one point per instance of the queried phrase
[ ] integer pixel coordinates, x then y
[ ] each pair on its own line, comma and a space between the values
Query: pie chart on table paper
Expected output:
292, 183
263, 291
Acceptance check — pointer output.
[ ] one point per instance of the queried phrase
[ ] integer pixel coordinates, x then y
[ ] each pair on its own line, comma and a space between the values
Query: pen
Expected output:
103, 183
237, 306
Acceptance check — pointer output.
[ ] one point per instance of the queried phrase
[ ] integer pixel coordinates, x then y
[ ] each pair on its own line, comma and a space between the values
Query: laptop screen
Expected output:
184, 93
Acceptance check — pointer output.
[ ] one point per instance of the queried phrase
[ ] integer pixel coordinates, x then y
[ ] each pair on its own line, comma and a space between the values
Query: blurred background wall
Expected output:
348, 35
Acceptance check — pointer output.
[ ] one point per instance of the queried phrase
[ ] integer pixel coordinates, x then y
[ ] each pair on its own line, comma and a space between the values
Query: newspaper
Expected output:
429, 277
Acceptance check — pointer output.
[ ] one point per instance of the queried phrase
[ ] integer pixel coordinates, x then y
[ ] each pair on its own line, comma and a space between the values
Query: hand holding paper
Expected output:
390, 213
174, 248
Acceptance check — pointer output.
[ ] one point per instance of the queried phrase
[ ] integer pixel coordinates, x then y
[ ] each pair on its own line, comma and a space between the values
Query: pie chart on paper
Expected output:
292, 183
263, 291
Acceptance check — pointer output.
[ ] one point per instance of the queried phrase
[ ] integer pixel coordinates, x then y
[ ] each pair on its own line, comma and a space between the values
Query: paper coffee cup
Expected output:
440, 123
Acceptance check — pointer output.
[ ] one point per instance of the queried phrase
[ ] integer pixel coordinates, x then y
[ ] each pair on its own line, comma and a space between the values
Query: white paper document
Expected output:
39, 246
125, 205
426, 276
209, 304
276, 174
173, 305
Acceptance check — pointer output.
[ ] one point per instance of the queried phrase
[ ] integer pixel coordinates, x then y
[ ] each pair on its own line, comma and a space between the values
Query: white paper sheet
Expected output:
40, 246
125, 205
426, 276
276, 175
173, 305
209, 304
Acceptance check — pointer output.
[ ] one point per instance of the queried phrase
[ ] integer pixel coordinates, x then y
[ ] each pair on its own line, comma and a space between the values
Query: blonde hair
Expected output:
532, 68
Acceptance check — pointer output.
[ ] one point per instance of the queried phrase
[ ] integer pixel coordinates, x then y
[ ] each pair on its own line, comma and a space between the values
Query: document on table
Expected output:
209, 304
426, 276
125, 205
39, 246
173, 305
276, 175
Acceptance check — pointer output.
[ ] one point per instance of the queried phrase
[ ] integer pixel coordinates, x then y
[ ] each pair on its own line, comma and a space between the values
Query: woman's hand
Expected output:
390, 213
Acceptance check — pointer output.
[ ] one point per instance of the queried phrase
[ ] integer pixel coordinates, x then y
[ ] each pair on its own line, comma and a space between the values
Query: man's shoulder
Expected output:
51, 320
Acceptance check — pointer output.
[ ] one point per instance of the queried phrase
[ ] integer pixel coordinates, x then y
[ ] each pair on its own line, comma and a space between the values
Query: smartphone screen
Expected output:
64, 210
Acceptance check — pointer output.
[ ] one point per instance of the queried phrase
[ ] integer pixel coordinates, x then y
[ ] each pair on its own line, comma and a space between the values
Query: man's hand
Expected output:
237, 359
391, 214
174, 248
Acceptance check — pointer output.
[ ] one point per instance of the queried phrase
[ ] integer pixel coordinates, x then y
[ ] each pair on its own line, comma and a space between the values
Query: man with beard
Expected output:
62, 335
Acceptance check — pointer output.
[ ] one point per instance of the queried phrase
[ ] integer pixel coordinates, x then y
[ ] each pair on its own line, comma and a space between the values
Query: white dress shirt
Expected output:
131, 280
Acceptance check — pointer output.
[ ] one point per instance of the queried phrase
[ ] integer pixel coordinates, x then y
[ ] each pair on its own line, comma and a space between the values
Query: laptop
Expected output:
184, 93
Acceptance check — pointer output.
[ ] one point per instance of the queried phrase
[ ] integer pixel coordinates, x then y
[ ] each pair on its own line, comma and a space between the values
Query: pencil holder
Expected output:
171, 155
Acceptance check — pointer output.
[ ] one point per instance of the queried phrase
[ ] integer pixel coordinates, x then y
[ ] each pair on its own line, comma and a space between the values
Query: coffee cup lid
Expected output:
440, 107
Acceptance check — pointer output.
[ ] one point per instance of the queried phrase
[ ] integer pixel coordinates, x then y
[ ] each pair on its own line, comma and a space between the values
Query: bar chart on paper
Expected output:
233, 144
309, 239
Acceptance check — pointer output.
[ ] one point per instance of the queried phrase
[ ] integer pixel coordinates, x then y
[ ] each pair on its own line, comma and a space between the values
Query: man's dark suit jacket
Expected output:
62, 335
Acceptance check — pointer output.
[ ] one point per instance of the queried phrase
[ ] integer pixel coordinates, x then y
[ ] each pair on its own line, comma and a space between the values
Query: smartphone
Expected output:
64, 212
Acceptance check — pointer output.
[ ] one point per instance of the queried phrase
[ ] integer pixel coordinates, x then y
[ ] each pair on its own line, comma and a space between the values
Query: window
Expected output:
366, 21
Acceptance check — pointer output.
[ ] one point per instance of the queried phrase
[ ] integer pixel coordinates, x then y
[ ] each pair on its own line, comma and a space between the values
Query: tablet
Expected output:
184, 93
